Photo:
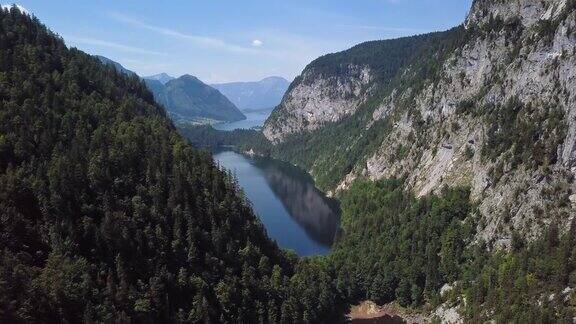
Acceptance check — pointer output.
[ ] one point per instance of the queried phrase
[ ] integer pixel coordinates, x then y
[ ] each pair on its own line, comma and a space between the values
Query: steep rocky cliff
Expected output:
336, 85
490, 105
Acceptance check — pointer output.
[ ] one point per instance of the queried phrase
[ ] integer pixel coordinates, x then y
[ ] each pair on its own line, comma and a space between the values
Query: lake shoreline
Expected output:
295, 213
390, 313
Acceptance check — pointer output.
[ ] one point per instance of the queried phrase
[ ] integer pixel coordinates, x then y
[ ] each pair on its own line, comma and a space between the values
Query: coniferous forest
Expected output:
108, 214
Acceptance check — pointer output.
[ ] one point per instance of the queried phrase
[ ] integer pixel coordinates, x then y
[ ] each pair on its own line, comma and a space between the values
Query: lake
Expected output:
295, 213
253, 119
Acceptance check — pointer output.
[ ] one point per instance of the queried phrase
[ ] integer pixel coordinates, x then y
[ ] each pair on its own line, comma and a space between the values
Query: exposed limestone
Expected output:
522, 60
542, 75
315, 100
448, 315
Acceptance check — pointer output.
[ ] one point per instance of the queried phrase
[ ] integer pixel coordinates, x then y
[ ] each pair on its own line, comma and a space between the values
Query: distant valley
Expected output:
255, 96
189, 100
431, 178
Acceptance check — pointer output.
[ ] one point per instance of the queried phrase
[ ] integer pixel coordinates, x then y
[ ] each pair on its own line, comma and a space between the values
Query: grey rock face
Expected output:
541, 75
314, 100
535, 65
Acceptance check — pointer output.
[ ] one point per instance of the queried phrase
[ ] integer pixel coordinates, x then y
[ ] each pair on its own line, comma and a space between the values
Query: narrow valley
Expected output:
423, 175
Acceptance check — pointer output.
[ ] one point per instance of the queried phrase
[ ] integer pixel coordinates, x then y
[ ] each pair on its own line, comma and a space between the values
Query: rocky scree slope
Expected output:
489, 105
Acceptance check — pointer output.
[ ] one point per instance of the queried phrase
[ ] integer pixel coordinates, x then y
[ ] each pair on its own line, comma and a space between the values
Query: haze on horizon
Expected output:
223, 41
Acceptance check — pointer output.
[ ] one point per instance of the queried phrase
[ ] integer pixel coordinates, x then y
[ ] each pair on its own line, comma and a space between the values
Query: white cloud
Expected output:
22, 9
257, 43
116, 46
203, 41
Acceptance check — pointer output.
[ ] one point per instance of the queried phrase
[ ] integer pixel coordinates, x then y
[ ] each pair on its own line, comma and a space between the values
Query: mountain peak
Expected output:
274, 79
189, 77
162, 77
263, 94
527, 12
188, 98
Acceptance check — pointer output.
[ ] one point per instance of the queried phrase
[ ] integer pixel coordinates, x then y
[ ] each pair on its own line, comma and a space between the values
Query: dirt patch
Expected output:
370, 312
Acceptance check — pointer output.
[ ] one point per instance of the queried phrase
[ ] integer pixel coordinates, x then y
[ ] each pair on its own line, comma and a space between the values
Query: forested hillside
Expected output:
487, 105
115, 65
395, 64
188, 99
421, 253
478, 123
106, 213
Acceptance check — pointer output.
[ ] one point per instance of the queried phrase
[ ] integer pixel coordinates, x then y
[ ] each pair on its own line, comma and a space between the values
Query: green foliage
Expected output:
385, 58
187, 98
205, 136
469, 152
332, 151
526, 285
106, 213
337, 148
397, 247
530, 135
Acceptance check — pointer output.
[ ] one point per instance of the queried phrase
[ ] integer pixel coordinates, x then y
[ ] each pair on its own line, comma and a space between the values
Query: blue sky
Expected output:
227, 40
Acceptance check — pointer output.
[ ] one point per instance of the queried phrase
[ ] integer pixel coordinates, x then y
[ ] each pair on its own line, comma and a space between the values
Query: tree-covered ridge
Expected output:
106, 213
188, 99
414, 63
359, 76
241, 140
397, 247
385, 58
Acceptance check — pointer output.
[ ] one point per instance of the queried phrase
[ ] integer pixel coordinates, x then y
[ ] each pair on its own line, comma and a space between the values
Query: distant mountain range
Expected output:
162, 77
259, 95
186, 98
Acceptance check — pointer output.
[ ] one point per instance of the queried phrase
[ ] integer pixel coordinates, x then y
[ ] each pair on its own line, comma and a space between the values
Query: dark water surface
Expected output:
387, 319
296, 214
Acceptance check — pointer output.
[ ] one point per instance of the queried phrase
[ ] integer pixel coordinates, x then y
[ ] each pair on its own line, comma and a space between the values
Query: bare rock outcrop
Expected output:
499, 117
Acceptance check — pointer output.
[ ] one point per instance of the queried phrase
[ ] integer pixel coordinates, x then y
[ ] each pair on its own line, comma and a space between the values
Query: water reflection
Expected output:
308, 206
296, 214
